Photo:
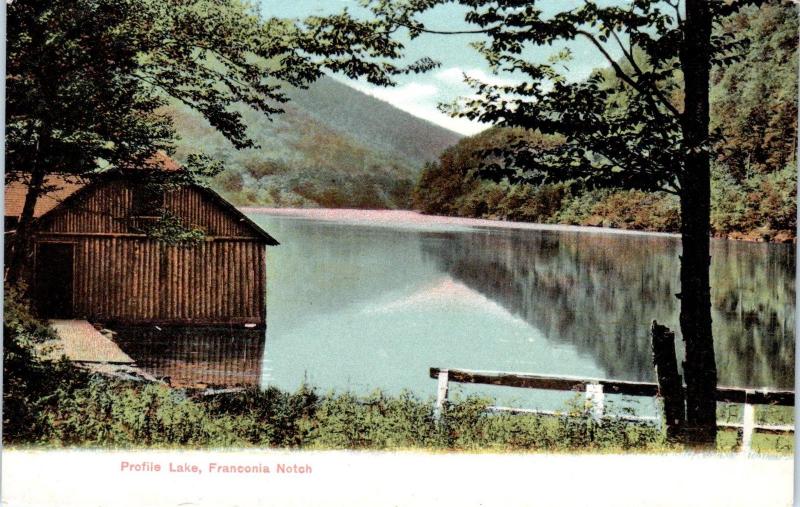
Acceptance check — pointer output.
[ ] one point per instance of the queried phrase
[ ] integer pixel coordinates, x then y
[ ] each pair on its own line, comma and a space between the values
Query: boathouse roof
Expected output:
60, 190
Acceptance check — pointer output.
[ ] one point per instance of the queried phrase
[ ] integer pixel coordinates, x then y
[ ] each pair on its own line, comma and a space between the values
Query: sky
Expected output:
420, 94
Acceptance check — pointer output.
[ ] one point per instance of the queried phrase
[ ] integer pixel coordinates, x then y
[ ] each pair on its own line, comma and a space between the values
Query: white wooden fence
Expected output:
596, 389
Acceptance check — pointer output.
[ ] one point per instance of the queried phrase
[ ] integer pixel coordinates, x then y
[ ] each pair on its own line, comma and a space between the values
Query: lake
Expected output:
365, 300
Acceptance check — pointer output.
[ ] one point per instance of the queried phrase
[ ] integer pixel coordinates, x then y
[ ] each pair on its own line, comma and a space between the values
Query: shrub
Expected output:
31, 386
578, 208
729, 209
776, 195
634, 209
274, 417
377, 421
762, 201
108, 413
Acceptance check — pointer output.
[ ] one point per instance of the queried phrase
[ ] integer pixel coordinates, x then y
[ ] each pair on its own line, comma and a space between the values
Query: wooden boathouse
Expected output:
93, 261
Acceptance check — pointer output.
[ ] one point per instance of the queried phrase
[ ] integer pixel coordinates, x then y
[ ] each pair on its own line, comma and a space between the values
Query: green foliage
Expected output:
270, 417
753, 110
111, 64
88, 82
624, 126
302, 162
574, 429
580, 208
451, 187
754, 100
170, 229
465, 423
32, 387
776, 196
112, 414
621, 133
531, 204
634, 209
376, 421
85, 103
18, 318
619, 130
761, 202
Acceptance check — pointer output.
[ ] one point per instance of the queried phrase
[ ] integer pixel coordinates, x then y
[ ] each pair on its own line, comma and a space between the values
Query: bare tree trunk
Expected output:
699, 368
670, 384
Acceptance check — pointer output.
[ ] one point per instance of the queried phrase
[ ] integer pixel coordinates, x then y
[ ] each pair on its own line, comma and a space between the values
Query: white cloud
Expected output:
461, 125
454, 76
408, 94
421, 100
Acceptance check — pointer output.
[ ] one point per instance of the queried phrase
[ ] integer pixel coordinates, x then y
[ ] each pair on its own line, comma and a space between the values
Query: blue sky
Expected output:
421, 93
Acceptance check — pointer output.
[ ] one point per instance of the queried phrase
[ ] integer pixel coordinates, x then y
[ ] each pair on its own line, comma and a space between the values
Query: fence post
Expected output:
749, 424
670, 384
595, 396
441, 393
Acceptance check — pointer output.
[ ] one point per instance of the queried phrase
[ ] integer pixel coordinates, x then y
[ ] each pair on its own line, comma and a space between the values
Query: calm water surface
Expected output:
358, 307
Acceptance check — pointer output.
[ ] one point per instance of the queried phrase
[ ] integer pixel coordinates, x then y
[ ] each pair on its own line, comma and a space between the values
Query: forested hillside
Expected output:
333, 147
372, 122
753, 117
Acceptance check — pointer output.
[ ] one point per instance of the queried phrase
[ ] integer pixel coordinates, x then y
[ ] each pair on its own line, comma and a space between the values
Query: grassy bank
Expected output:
54, 404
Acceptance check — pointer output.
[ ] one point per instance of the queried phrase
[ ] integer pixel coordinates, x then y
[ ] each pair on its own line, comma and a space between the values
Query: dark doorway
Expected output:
54, 279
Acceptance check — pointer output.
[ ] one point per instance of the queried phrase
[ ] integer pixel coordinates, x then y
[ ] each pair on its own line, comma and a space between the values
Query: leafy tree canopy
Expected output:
622, 125
86, 78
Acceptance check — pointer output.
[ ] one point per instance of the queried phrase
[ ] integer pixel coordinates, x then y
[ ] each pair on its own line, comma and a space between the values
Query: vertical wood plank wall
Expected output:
136, 280
119, 276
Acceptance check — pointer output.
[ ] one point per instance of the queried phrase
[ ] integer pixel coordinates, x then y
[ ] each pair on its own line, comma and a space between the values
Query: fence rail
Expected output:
596, 389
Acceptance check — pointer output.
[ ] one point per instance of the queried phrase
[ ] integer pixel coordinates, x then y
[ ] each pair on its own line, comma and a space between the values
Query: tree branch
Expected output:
640, 73
677, 7
628, 54
448, 32
625, 77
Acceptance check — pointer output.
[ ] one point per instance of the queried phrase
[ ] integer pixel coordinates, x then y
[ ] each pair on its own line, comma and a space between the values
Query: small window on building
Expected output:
146, 206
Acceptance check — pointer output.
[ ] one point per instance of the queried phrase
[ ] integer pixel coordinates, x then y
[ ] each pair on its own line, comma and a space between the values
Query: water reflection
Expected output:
599, 292
197, 357
355, 306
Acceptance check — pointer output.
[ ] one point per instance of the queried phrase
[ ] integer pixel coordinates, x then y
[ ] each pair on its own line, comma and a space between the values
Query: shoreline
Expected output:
415, 219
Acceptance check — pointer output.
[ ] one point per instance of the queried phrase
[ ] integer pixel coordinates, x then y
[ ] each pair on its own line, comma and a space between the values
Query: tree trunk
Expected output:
21, 251
699, 368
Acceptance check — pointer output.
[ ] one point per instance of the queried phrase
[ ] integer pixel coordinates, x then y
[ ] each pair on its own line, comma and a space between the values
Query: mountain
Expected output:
333, 147
365, 118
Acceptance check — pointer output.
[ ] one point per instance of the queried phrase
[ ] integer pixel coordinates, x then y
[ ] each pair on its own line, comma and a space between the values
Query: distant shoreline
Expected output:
408, 218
